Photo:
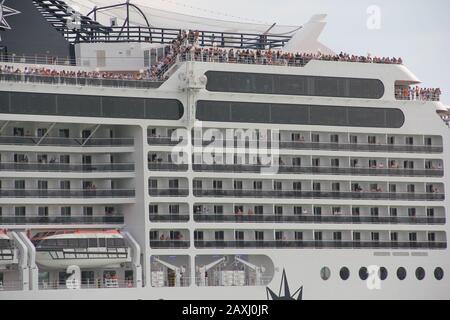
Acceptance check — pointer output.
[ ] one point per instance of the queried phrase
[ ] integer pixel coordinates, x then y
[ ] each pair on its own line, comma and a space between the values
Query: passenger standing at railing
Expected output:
405, 93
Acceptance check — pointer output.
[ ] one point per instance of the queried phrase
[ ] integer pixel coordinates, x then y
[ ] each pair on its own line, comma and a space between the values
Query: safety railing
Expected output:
63, 167
163, 141
38, 60
247, 281
219, 56
84, 194
321, 170
13, 220
307, 145
417, 94
344, 244
80, 81
251, 193
167, 166
66, 142
169, 244
11, 286
336, 218
87, 284
172, 217
182, 192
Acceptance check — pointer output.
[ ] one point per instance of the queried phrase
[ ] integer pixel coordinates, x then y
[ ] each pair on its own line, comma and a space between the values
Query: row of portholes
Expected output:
344, 273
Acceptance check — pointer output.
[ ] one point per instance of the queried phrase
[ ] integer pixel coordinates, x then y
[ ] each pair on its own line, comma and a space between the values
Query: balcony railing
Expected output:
86, 284
5, 220
63, 167
86, 194
357, 147
169, 192
166, 166
163, 141
169, 244
344, 244
157, 217
80, 81
11, 286
323, 170
66, 142
259, 218
318, 194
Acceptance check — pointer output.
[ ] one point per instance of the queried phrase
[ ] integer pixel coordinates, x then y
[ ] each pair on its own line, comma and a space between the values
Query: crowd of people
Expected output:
28, 72
418, 94
187, 47
273, 57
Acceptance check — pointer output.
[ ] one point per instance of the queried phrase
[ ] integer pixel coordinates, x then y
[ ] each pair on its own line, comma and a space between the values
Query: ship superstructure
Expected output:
170, 164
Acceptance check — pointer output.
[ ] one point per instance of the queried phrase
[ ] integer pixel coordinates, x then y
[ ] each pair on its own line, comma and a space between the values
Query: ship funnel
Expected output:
306, 39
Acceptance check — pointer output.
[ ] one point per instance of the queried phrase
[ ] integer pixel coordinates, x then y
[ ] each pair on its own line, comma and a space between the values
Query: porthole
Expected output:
325, 273
383, 273
420, 273
344, 273
439, 273
401, 273
363, 273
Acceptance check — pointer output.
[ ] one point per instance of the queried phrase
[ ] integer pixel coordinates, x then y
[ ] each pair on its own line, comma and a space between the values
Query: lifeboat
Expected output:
83, 248
7, 251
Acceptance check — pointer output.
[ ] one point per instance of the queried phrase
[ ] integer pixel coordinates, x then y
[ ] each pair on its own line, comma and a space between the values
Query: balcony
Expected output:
296, 194
166, 166
66, 142
62, 220
162, 141
62, 167
329, 146
285, 244
86, 194
160, 217
359, 147
347, 219
169, 244
322, 170
169, 192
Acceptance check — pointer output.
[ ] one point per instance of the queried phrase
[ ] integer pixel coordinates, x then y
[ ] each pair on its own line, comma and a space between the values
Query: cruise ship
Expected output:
143, 157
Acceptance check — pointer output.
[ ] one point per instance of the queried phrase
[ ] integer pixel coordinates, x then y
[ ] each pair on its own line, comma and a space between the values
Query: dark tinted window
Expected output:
255, 112
328, 116
33, 103
290, 114
401, 273
226, 111
420, 273
367, 117
79, 106
4, 102
344, 273
291, 84
101, 242
383, 273
92, 242
439, 273
363, 273
214, 110
90, 106
394, 118
164, 109
115, 107
294, 85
